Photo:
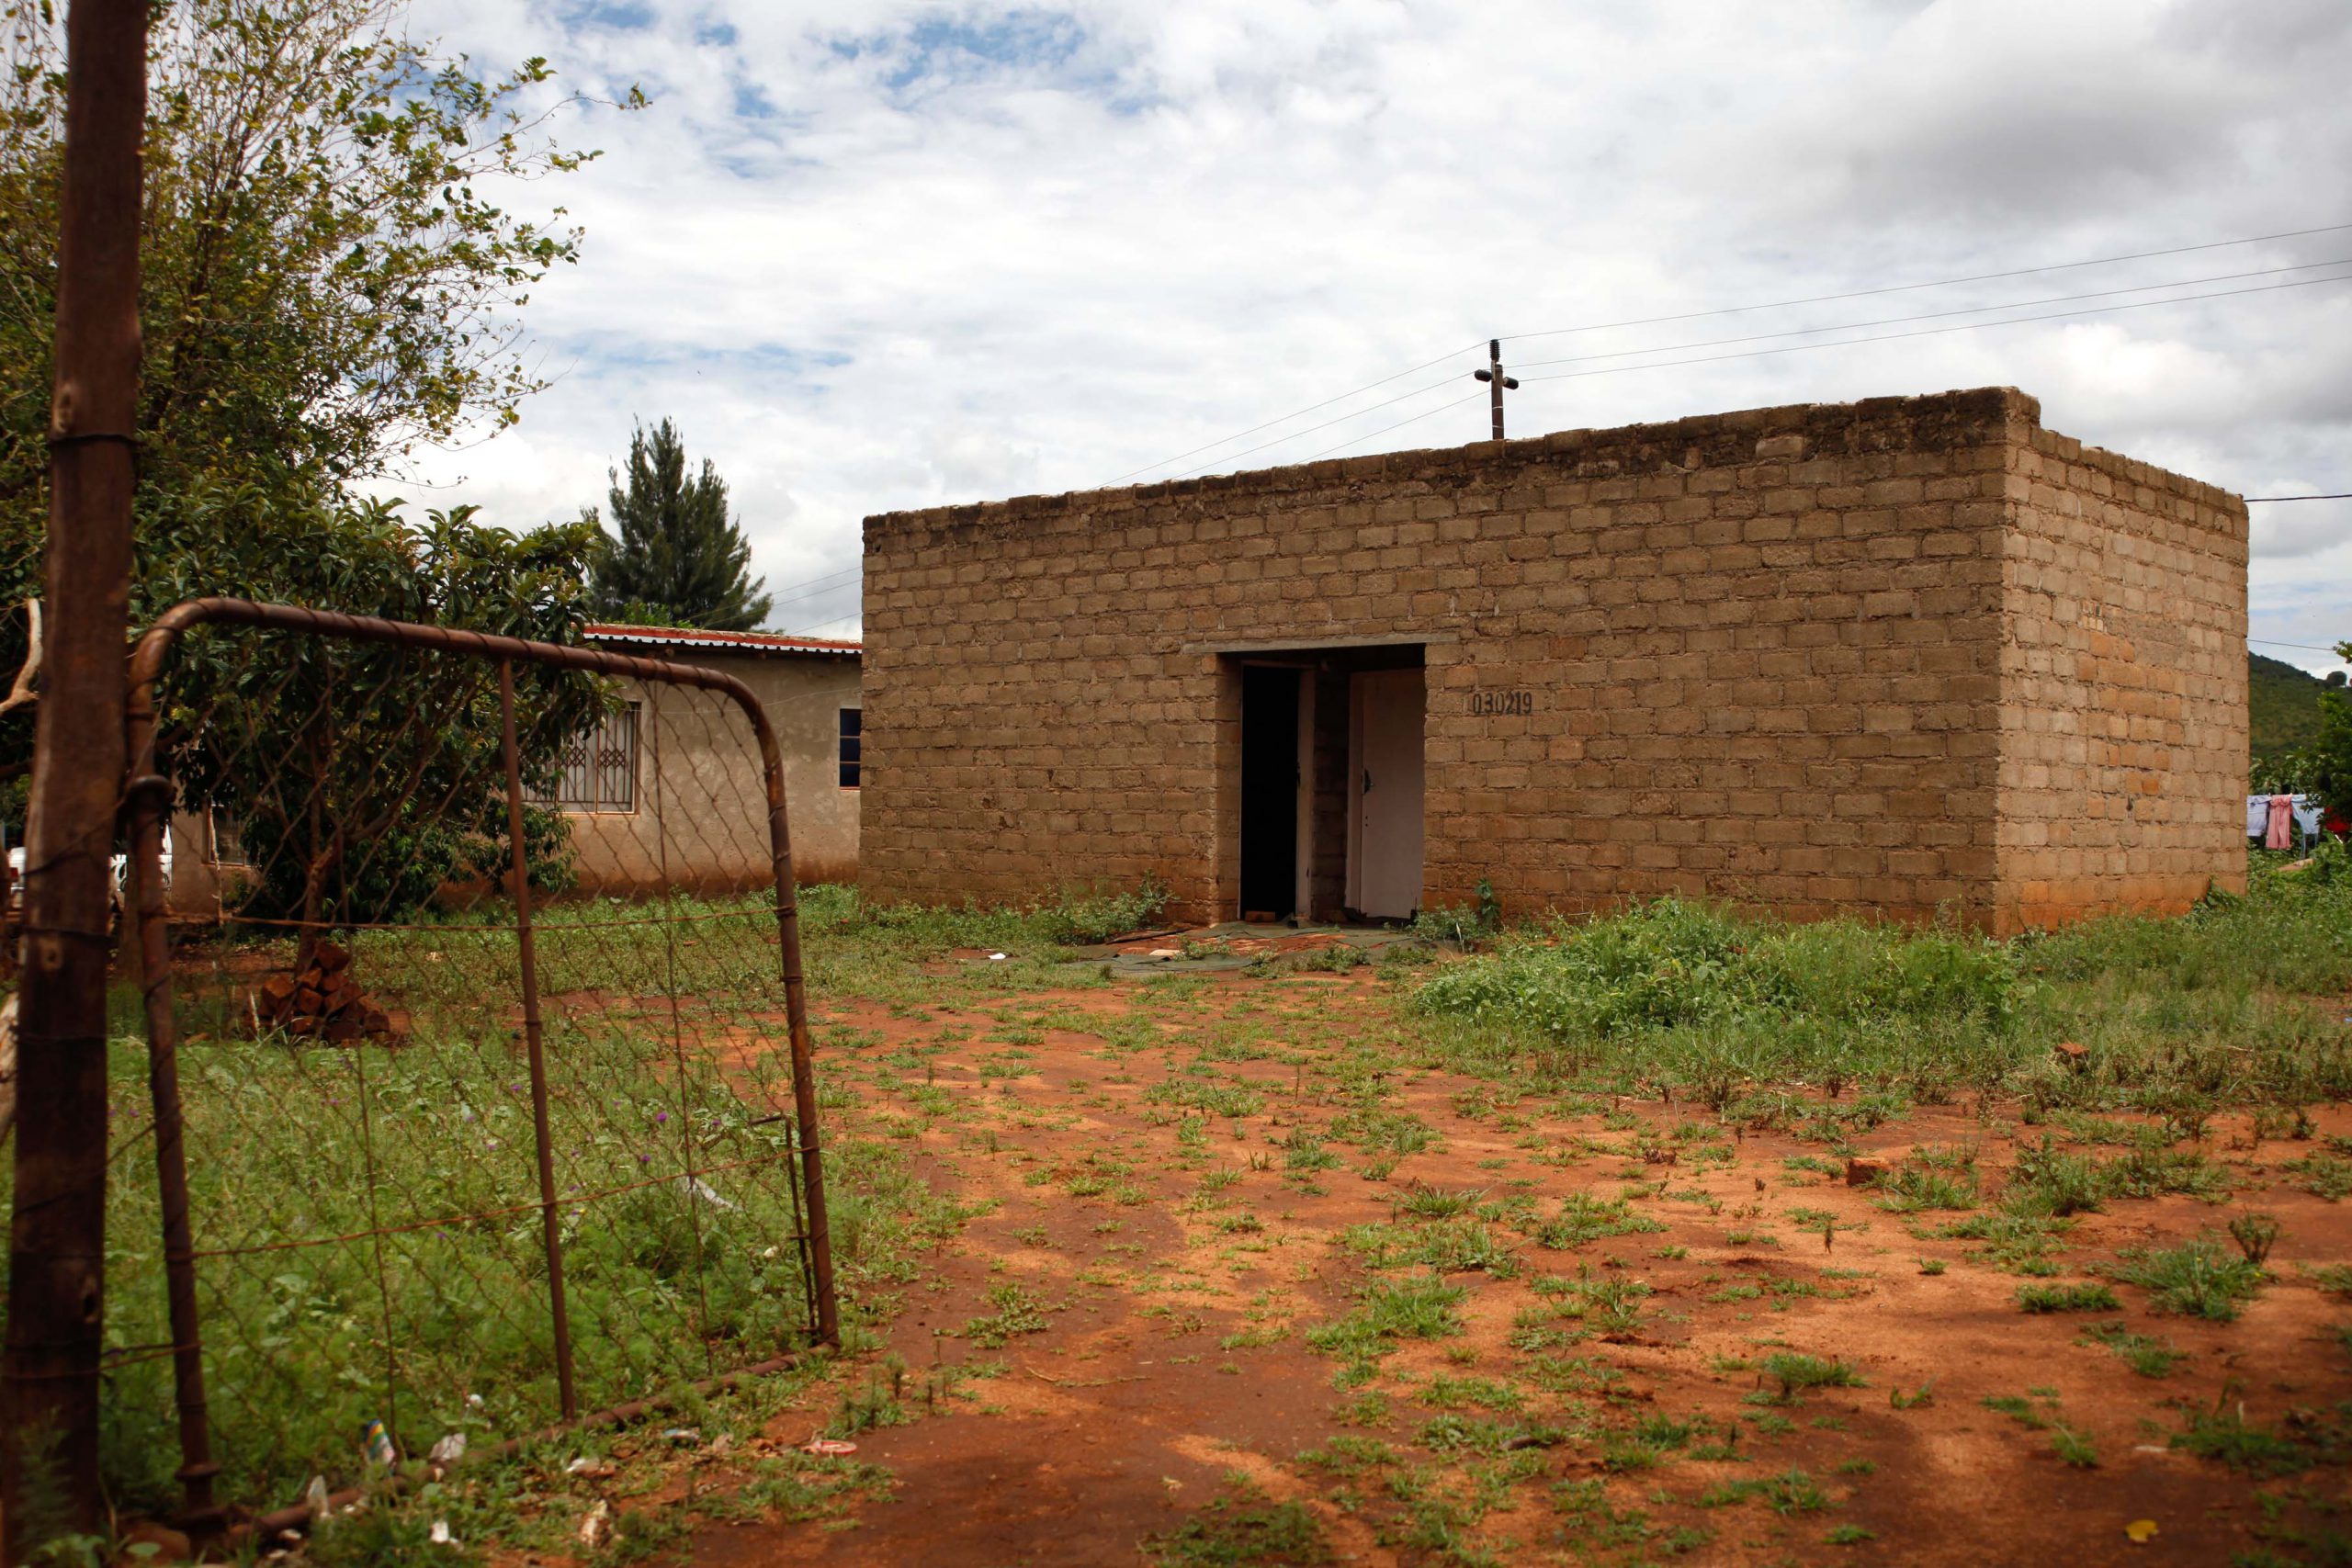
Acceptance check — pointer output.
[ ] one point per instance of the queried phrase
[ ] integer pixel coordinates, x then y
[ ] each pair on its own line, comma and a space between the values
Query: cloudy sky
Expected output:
875, 253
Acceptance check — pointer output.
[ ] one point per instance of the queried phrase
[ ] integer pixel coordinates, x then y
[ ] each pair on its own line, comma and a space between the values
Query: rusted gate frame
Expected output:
148, 795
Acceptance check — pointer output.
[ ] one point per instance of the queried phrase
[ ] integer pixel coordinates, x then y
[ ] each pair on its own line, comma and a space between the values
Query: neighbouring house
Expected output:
667, 757
1912, 655
676, 758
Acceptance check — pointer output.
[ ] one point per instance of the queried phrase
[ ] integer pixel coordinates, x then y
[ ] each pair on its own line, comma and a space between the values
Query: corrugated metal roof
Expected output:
748, 642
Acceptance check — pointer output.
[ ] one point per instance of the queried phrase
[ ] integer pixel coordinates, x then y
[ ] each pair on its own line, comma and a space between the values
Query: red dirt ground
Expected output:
1124, 1416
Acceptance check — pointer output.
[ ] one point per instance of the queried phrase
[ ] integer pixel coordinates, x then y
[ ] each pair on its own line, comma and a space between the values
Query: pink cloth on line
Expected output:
2281, 834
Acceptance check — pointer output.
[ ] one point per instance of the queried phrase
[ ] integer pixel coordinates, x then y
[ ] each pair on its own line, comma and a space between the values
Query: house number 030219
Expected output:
1485, 703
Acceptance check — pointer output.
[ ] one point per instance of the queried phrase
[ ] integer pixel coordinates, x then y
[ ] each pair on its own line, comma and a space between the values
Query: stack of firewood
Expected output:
321, 1000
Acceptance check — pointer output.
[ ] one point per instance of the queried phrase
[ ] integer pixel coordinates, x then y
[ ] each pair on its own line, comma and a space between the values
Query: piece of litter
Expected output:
440, 1534
684, 1435
474, 1400
2141, 1530
996, 957
828, 1447
597, 1527
378, 1444
721, 1445
449, 1450
1165, 953
696, 1187
593, 1469
314, 1498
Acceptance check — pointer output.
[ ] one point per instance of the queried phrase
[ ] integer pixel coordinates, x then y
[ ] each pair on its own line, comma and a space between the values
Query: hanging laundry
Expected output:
2279, 833
2257, 815
2306, 811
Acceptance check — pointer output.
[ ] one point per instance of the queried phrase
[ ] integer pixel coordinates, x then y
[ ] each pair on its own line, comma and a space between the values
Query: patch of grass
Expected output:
1393, 1309
2149, 1357
2073, 1447
1795, 1373
1450, 1247
1018, 1310
1931, 1179
2066, 1298
2197, 1279
1230, 1534
1584, 1218
2305, 1440
1791, 1492
2322, 1175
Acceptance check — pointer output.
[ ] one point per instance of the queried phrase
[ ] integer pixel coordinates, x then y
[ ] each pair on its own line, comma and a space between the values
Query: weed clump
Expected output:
2066, 1298
2197, 1279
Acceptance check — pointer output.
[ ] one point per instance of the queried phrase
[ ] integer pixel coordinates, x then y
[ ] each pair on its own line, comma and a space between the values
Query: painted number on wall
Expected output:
1485, 703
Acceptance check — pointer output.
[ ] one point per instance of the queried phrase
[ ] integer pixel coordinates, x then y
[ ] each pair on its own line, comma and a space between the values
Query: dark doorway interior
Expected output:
1268, 790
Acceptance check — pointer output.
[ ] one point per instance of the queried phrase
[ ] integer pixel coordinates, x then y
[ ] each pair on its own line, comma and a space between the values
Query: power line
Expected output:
1936, 331
1295, 413
1939, 315
1938, 283
1400, 424
2274, 500
847, 579
1700, 315
2307, 647
1311, 429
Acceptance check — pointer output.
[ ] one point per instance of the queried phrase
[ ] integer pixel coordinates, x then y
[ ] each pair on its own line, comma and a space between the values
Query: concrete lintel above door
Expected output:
1315, 644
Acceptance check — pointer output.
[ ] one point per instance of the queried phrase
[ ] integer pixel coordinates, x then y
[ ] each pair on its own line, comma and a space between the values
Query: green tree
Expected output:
364, 778
2329, 758
330, 280
679, 561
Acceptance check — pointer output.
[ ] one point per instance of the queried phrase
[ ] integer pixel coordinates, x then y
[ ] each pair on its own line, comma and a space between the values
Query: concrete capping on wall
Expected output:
1935, 422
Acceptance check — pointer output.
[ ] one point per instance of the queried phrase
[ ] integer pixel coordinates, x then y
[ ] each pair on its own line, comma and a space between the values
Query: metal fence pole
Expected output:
550, 1224
795, 1011
151, 796
48, 1373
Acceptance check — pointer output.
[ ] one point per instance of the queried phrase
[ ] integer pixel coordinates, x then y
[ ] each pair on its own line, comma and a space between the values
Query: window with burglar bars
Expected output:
853, 746
599, 769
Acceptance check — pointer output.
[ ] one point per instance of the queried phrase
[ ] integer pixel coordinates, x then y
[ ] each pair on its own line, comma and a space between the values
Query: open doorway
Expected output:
1329, 790
1273, 710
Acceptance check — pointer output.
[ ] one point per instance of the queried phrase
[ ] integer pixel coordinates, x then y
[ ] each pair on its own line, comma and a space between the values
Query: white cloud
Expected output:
897, 253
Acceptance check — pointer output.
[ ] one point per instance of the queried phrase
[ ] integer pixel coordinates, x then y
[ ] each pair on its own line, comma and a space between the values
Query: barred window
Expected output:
853, 746
228, 837
598, 769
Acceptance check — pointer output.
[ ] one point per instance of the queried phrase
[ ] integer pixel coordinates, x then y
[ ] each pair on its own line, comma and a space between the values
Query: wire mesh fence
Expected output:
476, 1096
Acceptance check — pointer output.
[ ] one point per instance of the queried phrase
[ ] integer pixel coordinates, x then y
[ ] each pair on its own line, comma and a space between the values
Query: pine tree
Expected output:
680, 559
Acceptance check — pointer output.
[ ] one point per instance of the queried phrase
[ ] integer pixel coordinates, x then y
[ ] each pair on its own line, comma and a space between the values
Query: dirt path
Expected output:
1181, 1179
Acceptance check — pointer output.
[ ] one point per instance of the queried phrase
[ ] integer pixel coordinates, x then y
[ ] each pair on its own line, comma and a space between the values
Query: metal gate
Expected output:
479, 1107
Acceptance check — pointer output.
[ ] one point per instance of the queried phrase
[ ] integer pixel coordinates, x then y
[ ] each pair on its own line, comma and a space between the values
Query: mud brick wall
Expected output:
1818, 657
2124, 745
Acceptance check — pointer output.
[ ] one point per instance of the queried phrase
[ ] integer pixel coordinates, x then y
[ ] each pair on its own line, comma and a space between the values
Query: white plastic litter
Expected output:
996, 957
597, 1528
314, 1498
440, 1534
449, 1450
696, 1187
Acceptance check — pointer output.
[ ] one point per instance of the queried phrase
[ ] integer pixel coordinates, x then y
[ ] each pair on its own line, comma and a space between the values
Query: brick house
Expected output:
1915, 656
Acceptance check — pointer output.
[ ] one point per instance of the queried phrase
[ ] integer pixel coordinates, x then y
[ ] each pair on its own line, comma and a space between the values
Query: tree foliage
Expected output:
362, 777
330, 284
2329, 759
679, 559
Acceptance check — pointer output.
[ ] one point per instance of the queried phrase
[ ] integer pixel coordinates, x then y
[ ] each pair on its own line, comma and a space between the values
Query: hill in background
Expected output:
2284, 705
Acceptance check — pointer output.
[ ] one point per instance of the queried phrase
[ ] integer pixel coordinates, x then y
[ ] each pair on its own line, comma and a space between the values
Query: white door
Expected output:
1384, 859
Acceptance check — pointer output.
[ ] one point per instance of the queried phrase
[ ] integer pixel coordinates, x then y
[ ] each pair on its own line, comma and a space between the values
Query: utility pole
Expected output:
49, 1372
1496, 380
